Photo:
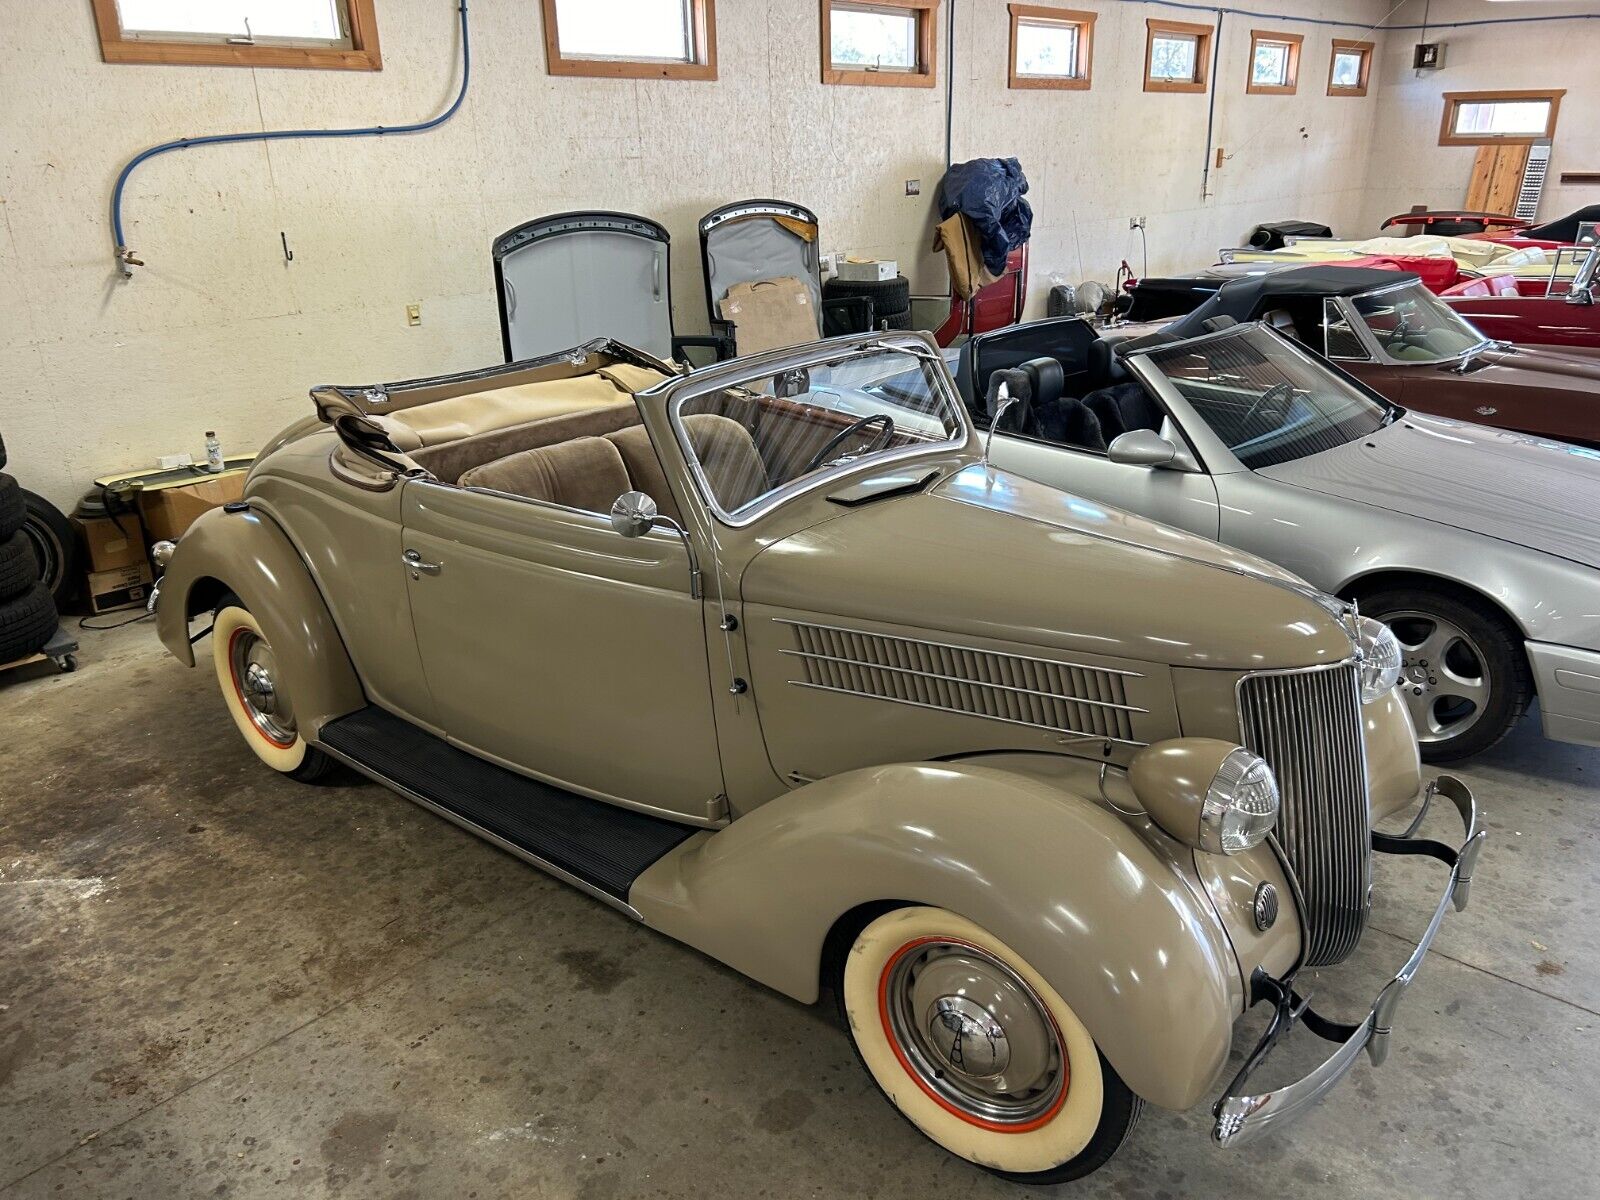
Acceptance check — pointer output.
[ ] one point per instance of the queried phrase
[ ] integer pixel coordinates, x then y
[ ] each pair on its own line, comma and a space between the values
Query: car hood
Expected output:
1521, 366
989, 554
1529, 491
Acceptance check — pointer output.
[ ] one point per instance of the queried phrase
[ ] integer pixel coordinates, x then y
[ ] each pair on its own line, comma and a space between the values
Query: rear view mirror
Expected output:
1141, 448
633, 514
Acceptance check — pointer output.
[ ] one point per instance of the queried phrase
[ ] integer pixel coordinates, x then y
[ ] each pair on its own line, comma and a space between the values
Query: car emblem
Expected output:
1485, 411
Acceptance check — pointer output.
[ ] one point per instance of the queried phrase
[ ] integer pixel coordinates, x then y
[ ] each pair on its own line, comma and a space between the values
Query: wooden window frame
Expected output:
1202, 55
703, 28
1365, 49
363, 54
1293, 41
1056, 16
927, 47
1453, 100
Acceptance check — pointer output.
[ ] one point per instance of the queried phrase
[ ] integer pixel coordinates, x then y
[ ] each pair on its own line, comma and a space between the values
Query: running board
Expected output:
593, 845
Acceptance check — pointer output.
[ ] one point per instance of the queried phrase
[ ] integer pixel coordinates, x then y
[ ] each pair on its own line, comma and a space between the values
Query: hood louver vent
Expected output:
1041, 693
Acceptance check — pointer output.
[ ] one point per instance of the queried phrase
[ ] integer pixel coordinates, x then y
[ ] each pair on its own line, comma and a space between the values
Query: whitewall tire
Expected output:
256, 696
978, 1051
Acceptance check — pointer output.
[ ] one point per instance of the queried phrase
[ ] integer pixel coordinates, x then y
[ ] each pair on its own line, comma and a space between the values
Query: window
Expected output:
1475, 118
1349, 68
1274, 63
888, 43
1340, 340
1176, 55
1050, 47
631, 39
338, 34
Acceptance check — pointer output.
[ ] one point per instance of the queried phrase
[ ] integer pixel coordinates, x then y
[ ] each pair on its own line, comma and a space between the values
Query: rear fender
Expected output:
1141, 959
246, 553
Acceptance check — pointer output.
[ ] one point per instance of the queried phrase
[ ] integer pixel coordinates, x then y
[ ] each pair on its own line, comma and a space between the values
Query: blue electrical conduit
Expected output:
125, 259
1276, 16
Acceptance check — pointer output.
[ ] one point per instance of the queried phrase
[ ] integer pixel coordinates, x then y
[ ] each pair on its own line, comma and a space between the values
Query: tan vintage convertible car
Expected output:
768, 657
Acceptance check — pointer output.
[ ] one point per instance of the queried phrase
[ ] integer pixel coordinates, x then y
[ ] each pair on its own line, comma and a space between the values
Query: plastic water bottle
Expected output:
213, 452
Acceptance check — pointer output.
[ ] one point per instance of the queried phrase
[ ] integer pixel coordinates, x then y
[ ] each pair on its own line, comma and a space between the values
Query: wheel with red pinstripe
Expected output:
257, 696
978, 1051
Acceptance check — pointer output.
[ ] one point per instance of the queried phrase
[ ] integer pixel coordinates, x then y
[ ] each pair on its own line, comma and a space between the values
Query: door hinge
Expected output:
717, 808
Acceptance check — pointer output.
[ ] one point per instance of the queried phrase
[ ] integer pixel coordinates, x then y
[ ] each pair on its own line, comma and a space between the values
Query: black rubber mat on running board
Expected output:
603, 845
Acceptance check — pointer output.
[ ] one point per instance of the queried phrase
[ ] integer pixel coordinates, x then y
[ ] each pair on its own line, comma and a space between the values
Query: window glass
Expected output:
1347, 68
1270, 67
1342, 341
865, 37
1047, 48
769, 432
1502, 118
302, 20
634, 30
1174, 57
1266, 401
1414, 325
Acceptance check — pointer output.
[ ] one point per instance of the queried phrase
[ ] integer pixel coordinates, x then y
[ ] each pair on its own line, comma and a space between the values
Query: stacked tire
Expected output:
891, 298
28, 616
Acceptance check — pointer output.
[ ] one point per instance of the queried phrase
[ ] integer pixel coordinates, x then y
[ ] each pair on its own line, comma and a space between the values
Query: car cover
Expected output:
989, 191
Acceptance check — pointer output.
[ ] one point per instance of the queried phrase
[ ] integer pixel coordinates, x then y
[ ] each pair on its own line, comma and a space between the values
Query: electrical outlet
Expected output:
1135, 222
414, 314
913, 187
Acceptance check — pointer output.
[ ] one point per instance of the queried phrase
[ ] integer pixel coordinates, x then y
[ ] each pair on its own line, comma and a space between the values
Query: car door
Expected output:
556, 647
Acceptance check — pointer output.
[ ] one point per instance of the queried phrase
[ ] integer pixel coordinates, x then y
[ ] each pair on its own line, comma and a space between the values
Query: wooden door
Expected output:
1496, 179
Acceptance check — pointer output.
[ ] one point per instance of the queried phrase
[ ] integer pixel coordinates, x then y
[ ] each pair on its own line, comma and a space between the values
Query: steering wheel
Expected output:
881, 442
1281, 391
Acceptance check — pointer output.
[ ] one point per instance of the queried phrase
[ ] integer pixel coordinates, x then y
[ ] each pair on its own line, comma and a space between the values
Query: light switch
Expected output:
414, 314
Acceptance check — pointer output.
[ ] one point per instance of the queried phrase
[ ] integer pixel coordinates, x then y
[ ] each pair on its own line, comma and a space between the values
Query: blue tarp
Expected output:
989, 191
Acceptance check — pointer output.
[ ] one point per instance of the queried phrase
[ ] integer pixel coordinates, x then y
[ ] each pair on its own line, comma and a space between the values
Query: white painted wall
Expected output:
99, 375
1096, 158
1408, 166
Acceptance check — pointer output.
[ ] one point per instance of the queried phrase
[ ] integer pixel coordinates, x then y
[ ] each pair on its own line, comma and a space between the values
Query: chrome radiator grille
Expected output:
1041, 693
1307, 725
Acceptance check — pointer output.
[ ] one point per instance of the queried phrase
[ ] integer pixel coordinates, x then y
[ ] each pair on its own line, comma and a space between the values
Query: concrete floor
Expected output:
216, 982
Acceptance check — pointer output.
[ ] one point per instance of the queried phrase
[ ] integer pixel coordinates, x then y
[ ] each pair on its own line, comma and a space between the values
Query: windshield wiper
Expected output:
1468, 358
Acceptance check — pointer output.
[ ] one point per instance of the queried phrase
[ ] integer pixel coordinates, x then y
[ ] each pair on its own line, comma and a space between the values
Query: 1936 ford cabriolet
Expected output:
771, 659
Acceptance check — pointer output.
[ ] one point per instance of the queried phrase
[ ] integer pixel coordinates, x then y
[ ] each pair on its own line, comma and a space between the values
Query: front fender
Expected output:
245, 552
1143, 962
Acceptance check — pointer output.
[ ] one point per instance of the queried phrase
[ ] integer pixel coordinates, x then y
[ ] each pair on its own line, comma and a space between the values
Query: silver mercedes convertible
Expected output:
1479, 548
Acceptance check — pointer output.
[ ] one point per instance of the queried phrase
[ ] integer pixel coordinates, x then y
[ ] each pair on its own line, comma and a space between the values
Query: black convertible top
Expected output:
1247, 298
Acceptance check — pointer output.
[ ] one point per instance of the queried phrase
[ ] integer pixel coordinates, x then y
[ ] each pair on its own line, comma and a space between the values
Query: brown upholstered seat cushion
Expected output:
644, 468
729, 458
585, 473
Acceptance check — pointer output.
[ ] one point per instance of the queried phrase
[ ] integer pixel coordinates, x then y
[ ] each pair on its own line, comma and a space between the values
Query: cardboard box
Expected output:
868, 270
126, 587
169, 511
111, 544
768, 314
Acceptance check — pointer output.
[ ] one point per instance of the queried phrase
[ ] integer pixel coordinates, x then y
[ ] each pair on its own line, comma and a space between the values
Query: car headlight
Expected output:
1379, 650
1209, 794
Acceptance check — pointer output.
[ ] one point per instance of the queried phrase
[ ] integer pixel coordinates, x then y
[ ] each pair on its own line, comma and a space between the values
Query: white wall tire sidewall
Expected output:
279, 758
1063, 1138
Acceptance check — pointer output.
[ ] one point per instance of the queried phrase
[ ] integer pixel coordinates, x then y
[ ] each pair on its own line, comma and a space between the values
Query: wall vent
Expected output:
1532, 181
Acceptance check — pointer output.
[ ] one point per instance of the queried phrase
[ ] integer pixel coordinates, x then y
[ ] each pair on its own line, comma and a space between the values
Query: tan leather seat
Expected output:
585, 473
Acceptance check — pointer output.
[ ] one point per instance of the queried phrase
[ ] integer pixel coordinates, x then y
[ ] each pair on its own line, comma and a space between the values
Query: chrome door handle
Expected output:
417, 567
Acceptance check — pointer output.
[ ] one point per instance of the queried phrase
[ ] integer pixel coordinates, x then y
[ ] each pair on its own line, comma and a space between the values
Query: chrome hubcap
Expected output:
255, 669
974, 1033
1443, 675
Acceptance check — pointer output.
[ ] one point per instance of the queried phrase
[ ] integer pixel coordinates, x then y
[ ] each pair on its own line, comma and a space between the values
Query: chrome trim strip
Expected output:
895, 637
472, 827
1244, 1119
961, 712
965, 682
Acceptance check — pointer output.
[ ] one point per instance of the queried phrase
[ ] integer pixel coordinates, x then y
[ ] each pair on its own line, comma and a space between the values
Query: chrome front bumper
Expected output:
1242, 1118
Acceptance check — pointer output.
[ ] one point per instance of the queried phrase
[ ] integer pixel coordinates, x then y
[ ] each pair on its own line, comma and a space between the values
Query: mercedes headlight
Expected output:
1209, 794
1379, 651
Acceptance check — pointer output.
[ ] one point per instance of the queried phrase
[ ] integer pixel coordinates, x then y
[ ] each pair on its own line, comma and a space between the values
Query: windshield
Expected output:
1414, 325
1267, 401
773, 433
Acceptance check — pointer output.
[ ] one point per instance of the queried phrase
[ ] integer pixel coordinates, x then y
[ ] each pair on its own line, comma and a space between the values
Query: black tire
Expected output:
26, 623
1491, 639
2, 452
889, 296
12, 511
18, 569
897, 320
55, 545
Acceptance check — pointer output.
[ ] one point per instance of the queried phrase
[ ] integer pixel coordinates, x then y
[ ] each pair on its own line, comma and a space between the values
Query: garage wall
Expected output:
1096, 158
219, 332
1408, 166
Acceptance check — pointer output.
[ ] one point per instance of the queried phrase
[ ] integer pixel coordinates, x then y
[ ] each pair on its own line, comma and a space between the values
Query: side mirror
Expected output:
1140, 448
633, 514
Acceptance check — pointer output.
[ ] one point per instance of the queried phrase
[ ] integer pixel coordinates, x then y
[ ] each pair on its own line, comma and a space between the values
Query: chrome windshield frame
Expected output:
1375, 345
